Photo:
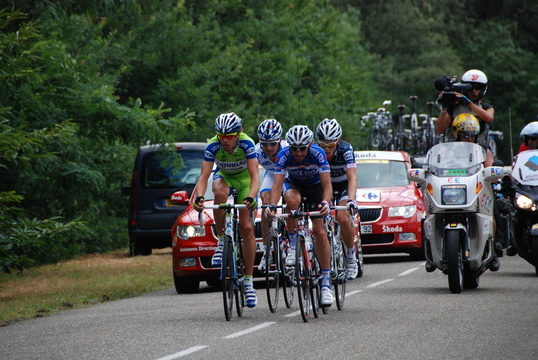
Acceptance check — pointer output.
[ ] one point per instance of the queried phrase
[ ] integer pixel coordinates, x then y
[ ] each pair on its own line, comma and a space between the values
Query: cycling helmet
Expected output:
269, 130
228, 123
466, 125
475, 76
329, 130
299, 135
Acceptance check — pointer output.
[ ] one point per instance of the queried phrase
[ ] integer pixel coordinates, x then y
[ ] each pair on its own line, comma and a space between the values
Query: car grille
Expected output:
370, 214
375, 239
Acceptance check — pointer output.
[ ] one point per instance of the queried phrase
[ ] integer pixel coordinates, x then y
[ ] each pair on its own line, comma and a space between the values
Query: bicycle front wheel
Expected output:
302, 278
272, 274
228, 275
340, 272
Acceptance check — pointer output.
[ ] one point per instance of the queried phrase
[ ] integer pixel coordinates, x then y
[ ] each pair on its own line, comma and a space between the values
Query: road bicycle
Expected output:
429, 137
232, 273
277, 274
380, 137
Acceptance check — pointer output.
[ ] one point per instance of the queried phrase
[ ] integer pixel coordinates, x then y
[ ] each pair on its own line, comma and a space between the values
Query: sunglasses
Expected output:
269, 144
532, 138
478, 87
298, 148
328, 145
229, 136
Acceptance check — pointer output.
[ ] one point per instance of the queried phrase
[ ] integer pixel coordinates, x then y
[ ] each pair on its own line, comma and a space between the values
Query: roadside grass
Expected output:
81, 282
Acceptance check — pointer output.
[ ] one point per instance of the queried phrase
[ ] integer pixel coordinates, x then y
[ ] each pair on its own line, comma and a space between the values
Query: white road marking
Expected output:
379, 283
183, 353
406, 272
249, 330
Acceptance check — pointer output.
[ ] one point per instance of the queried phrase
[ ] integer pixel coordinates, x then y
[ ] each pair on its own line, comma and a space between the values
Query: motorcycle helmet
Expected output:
329, 130
299, 135
269, 130
228, 123
531, 129
476, 77
466, 125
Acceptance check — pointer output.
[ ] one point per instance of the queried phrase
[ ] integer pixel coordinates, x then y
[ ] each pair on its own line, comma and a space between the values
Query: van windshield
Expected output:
156, 176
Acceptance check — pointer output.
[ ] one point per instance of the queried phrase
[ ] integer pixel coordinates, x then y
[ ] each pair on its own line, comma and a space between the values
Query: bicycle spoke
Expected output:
228, 278
272, 274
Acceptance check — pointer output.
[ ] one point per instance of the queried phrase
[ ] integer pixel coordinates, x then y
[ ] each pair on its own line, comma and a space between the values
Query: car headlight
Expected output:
188, 231
403, 211
524, 202
454, 195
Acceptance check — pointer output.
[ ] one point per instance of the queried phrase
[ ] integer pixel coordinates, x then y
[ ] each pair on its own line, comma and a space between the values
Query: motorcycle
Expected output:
459, 225
523, 194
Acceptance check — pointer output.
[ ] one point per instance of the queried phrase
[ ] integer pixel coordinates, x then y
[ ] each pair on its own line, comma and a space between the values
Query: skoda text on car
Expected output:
390, 206
193, 245
156, 175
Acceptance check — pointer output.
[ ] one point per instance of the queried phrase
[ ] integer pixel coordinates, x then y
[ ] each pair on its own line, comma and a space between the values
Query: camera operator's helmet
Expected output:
329, 130
531, 129
299, 135
269, 130
478, 78
228, 123
466, 125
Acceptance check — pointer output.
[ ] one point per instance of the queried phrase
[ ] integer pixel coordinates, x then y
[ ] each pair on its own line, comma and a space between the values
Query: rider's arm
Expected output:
351, 174
327, 186
201, 187
444, 120
486, 115
276, 190
252, 165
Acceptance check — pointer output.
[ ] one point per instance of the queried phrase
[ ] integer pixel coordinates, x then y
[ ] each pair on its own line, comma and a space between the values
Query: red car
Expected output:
390, 206
193, 245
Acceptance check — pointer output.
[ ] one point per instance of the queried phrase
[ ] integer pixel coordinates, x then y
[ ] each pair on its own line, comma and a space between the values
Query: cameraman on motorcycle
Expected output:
470, 102
467, 128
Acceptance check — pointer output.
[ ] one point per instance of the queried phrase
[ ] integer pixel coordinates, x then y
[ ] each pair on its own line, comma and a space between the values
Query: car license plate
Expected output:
366, 229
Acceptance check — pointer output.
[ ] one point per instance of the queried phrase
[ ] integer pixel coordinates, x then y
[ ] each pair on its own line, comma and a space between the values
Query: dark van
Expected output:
151, 215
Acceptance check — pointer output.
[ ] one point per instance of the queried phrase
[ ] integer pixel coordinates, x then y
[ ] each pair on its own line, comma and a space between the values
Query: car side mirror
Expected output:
180, 198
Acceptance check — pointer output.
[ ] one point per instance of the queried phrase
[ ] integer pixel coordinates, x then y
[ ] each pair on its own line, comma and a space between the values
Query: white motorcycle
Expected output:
458, 197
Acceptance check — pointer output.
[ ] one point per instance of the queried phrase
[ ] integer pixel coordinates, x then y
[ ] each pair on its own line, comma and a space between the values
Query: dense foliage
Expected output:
84, 83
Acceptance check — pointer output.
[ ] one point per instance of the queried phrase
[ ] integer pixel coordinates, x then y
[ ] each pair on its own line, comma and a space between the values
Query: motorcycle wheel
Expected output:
535, 252
454, 261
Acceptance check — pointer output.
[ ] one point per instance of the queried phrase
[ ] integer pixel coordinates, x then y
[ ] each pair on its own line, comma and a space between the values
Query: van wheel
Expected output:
137, 248
185, 286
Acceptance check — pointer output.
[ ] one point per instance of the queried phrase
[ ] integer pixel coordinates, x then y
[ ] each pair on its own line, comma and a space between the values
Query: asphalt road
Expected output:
395, 311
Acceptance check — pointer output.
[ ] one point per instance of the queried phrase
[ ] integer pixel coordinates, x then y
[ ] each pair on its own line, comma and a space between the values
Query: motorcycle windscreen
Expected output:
525, 169
455, 158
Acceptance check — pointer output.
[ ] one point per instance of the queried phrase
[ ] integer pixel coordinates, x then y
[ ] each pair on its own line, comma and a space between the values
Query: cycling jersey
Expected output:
305, 172
234, 163
343, 159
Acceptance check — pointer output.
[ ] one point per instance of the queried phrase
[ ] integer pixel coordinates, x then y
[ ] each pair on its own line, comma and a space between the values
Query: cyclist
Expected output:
234, 154
271, 143
344, 182
303, 170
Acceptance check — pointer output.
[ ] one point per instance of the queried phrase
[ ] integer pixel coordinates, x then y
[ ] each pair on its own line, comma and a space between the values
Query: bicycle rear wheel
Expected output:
228, 277
272, 274
302, 278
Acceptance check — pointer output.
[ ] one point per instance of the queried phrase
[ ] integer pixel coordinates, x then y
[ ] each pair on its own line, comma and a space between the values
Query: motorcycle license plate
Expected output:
366, 229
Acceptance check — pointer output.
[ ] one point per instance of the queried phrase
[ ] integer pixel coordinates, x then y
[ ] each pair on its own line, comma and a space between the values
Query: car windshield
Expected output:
381, 173
158, 173
455, 159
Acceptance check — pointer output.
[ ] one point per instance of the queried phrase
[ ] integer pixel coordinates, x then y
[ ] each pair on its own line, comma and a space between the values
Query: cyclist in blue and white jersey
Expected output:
271, 143
234, 154
344, 181
303, 169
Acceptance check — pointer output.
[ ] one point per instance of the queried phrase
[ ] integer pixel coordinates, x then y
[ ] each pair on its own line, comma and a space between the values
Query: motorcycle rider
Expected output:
467, 128
471, 103
530, 137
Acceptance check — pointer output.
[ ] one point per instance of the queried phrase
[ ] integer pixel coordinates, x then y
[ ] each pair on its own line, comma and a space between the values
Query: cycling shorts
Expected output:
239, 182
312, 194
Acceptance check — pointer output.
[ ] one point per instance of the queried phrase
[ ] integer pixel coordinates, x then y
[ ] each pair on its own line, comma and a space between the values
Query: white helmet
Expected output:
476, 76
269, 130
329, 130
299, 135
228, 123
531, 129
